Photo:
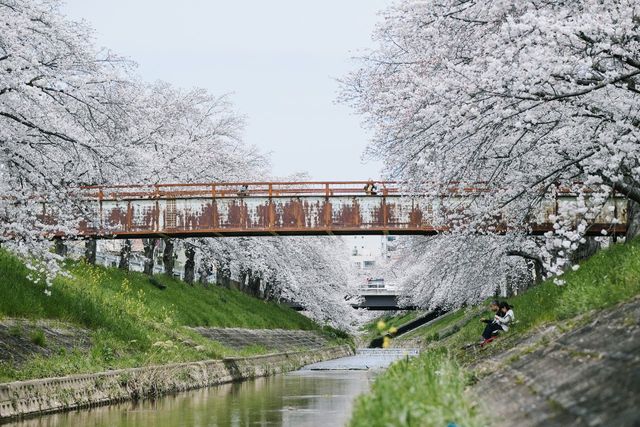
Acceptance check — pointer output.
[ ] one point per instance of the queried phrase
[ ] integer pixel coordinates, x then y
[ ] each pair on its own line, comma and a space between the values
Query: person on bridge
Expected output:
500, 322
370, 188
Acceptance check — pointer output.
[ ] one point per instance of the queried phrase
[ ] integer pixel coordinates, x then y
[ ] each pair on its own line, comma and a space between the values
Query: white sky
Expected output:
279, 58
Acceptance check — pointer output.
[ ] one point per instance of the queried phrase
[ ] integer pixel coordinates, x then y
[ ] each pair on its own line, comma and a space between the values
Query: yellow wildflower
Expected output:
386, 342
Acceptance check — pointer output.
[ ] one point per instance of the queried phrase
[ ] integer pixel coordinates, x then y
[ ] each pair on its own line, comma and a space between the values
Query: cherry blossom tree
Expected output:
185, 136
312, 272
74, 115
62, 103
517, 95
520, 95
189, 136
447, 271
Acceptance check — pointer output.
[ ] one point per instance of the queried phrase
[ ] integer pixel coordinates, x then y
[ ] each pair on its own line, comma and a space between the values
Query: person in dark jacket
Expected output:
370, 188
494, 306
504, 316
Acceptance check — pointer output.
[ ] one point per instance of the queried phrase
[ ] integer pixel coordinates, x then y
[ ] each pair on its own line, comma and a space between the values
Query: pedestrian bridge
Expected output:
304, 208
385, 298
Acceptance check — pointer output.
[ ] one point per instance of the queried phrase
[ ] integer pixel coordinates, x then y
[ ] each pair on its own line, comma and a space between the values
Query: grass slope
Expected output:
370, 329
131, 322
430, 390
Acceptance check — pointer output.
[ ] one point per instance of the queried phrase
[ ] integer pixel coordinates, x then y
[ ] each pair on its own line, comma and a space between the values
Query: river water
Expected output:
308, 397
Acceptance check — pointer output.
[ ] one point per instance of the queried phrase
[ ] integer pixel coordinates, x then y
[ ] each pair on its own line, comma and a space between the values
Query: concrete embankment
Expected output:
26, 398
274, 340
587, 376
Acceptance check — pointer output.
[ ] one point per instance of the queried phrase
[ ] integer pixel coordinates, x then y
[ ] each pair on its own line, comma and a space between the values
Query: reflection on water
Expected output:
303, 398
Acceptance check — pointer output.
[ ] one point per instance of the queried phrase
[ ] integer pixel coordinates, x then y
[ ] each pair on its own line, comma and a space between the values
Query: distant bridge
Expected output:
302, 208
370, 299
380, 299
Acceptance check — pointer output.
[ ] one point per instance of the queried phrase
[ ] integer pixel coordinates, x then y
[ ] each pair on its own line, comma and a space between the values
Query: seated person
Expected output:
493, 306
500, 322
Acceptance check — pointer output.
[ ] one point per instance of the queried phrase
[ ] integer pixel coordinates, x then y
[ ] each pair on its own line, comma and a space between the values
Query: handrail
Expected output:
122, 192
270, 189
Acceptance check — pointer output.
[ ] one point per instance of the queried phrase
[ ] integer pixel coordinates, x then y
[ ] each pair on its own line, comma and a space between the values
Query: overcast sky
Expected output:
279, 58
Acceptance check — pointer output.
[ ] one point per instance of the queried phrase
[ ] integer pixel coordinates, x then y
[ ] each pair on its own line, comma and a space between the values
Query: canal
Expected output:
318, 395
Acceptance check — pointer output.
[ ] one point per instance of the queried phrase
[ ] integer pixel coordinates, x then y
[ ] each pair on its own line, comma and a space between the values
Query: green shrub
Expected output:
38, 337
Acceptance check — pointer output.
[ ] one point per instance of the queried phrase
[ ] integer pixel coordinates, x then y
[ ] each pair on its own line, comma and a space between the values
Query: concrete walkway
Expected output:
364, 359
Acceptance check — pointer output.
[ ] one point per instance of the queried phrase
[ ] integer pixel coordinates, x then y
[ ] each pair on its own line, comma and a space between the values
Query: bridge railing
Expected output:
262, 189
315, 207
235, 189
364, 290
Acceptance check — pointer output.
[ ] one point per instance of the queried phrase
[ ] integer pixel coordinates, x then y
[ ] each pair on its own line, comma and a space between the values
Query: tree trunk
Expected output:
90, 249
245, 278
270, 290
255, 285
538, 267
190, 264
167, 257
250, 282
125, 255
633, 221
223, 276
205, 272
508, 288
149, 249
585, 250
537, 270
61, 247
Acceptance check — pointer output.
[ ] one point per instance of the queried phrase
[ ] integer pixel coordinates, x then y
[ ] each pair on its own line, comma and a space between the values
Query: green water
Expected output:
303, 398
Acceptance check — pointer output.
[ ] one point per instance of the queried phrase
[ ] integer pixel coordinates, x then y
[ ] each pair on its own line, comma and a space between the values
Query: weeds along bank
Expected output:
120, 320
434, 389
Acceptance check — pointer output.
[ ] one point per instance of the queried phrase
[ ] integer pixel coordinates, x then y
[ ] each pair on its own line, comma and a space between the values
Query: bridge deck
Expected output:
300, 208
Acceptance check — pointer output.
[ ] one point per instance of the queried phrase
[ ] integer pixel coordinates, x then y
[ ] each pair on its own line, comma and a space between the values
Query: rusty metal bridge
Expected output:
300, 208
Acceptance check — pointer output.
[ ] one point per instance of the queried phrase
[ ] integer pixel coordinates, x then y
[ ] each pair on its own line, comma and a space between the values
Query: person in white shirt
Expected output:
505, 315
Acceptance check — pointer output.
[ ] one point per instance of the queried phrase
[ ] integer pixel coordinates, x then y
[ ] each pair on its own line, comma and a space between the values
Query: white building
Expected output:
371, 256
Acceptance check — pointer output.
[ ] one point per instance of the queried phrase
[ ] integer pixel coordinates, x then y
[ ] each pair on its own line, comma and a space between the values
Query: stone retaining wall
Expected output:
276, 340
21, 398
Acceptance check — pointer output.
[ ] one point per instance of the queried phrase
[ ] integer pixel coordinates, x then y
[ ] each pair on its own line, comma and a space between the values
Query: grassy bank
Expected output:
429, 390
131, 322
371, 330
